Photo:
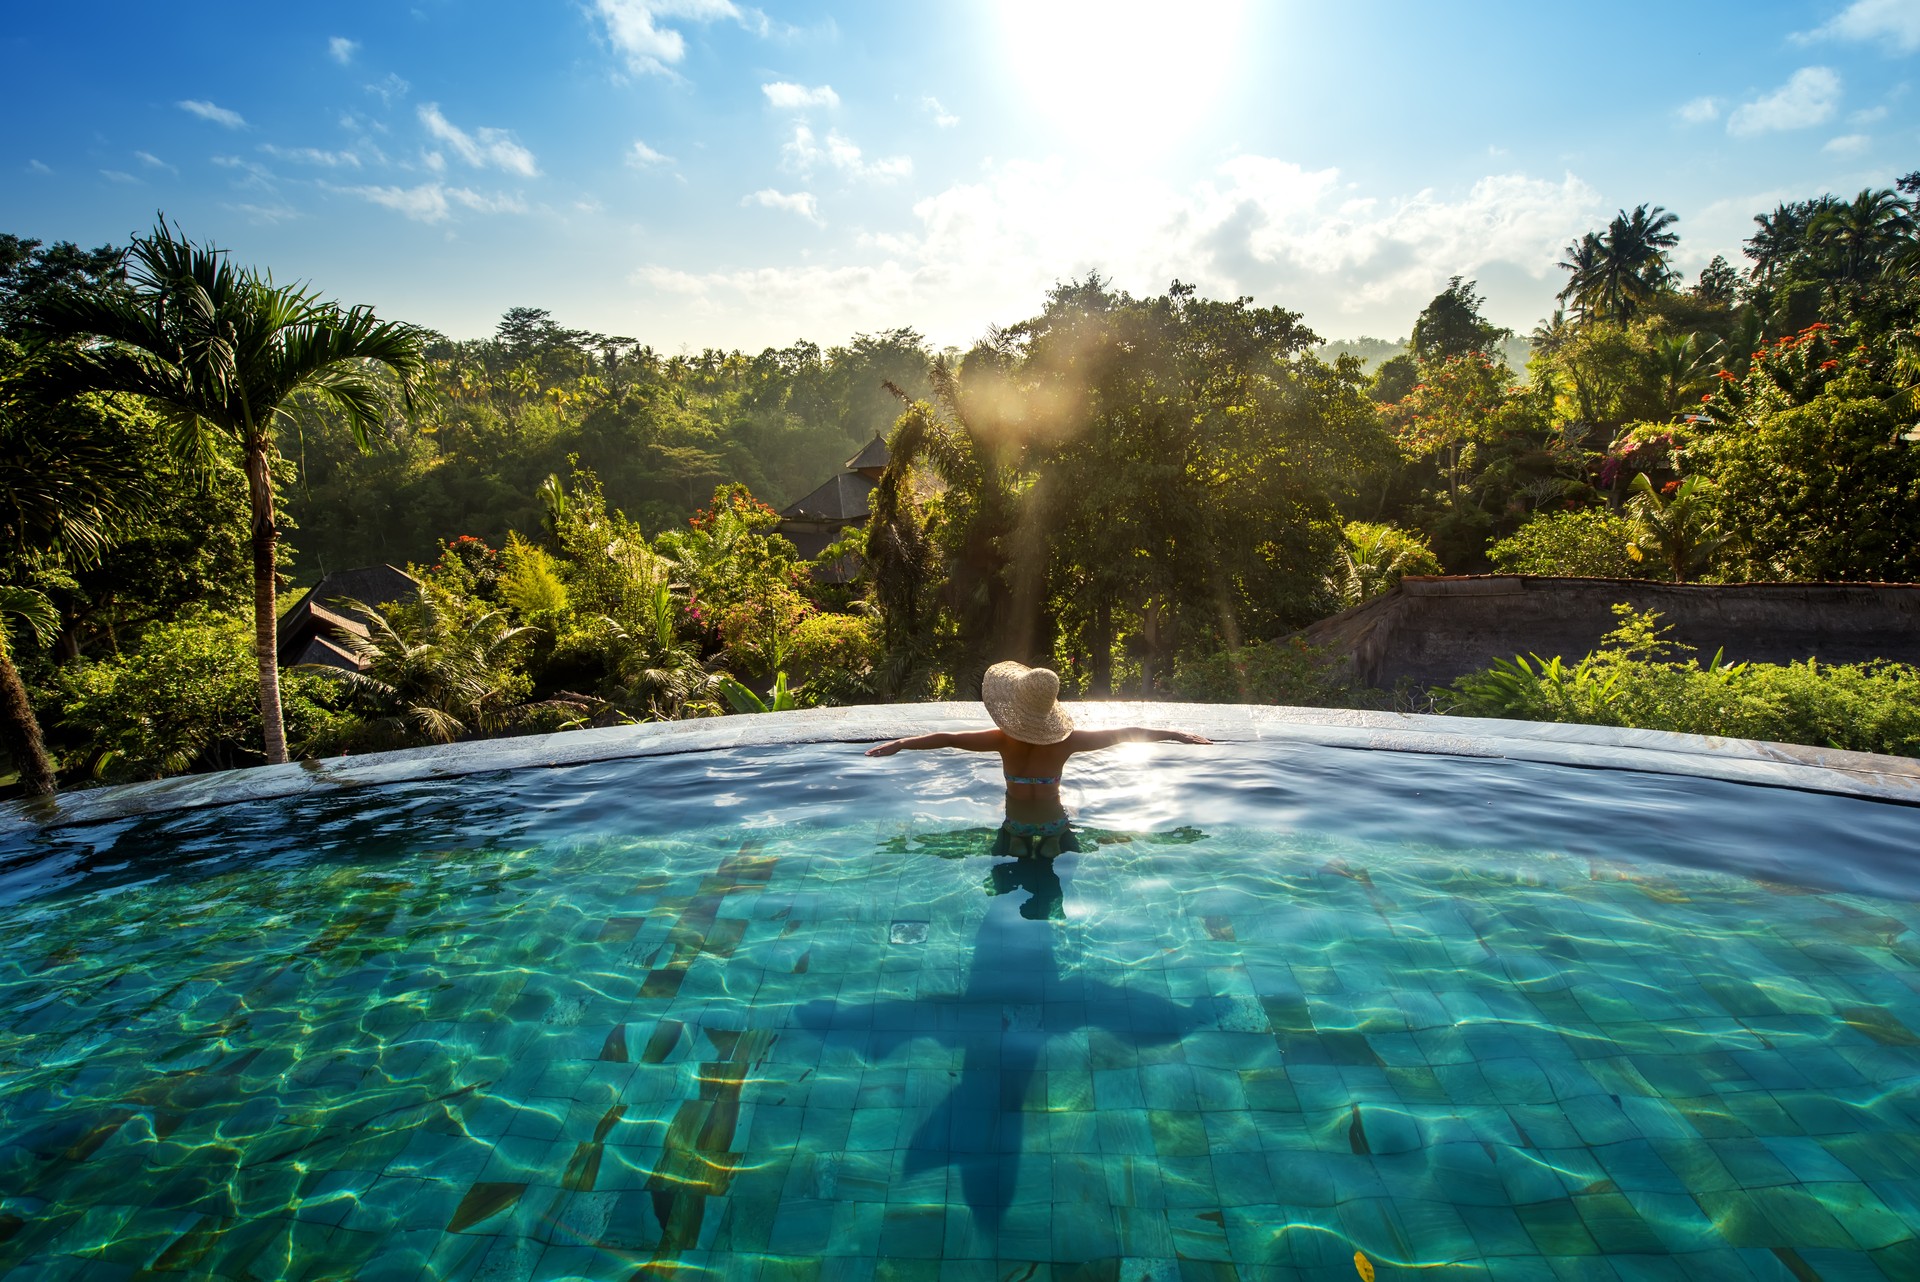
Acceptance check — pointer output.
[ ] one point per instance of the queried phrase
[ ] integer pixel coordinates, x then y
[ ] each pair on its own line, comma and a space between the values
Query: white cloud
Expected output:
640, 156
313, 156
266, 214
257, 175
941, 116
1872, 115
799, 202
1894, 23
218, 115
38, 167
434, 202
1848, 144
389, 88
633, 27
1809, 98
341, 49
787, 96
484, 148
152, 161
1700, 110
804, 150
118, 176
1257, 226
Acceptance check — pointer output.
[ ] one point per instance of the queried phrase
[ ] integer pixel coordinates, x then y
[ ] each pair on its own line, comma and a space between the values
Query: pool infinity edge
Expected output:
1860, 774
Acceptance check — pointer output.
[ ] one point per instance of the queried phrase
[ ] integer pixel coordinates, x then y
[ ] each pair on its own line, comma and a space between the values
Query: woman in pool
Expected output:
1034, 736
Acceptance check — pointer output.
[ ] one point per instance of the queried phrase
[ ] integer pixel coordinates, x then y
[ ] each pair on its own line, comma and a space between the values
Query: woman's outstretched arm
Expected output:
1094, 740
970, 741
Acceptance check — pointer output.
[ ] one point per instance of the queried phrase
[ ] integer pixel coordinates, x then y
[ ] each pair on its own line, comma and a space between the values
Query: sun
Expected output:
1120, 75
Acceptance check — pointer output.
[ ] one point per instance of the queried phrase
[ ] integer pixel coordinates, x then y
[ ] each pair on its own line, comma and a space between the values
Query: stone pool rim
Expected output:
1794, 766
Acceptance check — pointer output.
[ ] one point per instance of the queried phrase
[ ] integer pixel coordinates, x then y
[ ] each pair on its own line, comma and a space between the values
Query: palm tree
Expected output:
64, 491
226, 355
1781, 236
431, 672
1681, 367
1583, 261
19, 728
1679, 529
1634, 260
1856, 238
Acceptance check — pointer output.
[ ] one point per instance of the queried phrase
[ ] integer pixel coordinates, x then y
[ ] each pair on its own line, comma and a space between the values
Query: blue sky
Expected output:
702, 172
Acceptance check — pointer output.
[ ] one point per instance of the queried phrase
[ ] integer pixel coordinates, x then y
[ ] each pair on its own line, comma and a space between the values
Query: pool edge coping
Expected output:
1867, 775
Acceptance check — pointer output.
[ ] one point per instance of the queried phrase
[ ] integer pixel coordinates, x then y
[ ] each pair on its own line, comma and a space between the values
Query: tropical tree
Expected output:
227, 356
1582, 265
1451, 325
65, 492
1855, 239
1615, 272
1373, 558
1680, 368
433, 671
1677, 529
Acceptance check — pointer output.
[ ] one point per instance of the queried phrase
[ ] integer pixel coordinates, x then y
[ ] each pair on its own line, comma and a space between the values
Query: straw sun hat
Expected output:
1024, 702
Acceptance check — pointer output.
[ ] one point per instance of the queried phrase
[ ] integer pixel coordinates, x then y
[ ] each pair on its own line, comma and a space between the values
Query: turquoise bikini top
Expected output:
1044, 781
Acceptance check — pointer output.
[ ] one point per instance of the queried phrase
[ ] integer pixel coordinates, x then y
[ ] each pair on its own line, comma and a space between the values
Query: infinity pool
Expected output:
1291, 1012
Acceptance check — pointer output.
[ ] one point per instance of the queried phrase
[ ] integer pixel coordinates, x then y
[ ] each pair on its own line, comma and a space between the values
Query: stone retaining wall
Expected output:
1432, 630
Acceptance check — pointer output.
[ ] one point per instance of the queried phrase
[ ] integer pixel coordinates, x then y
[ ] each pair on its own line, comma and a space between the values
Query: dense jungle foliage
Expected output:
1149, 494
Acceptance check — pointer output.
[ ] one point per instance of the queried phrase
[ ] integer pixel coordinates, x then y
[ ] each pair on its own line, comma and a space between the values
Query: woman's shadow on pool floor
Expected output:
1015, 1001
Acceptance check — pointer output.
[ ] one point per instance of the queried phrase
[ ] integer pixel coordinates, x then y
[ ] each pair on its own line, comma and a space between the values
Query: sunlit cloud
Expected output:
1810, 97
1894, 24
641, 156
787, 96
1847, 145
208, 111
484, 148
434, 202
1260, 226
341, 49
1872, 115
803, 152
119, 176
1700, 111
38, 167
633, 28
799, 202
941, 116
152, 161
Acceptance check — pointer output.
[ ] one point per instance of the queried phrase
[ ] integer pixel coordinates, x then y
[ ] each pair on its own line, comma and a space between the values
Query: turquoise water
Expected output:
780, 1014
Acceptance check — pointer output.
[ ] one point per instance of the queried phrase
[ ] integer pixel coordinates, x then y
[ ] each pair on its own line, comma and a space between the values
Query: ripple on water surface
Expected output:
782, 1013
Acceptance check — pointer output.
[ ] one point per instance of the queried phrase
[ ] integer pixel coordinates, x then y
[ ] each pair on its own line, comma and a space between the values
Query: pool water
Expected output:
1290, 1012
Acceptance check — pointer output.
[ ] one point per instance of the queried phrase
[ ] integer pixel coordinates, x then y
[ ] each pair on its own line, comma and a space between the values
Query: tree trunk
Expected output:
1101, 685
1150, 642
266, 619
20, 731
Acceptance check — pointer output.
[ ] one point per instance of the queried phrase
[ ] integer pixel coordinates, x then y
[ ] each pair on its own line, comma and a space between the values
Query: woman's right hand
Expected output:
884, 749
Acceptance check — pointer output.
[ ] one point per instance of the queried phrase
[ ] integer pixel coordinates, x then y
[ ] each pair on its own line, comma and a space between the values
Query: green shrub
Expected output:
1372, 558
188, 699
1590, 543
1640, 679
